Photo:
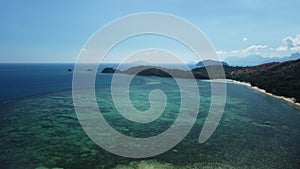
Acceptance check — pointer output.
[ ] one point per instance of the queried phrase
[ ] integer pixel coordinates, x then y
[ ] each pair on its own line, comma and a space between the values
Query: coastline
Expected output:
286, 99
289, 100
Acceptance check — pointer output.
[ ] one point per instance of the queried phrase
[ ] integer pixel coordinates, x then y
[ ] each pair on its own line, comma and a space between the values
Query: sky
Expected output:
55, 31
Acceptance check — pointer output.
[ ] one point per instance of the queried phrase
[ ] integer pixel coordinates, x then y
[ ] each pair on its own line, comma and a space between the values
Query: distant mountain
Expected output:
293, 56
253, 60
246, 61
210, 63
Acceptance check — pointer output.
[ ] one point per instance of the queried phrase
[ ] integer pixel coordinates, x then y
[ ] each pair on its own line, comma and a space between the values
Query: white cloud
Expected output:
281, 49
222, 54
254, 48
290, 45
245, 39
235, 51
251, 50
288, 42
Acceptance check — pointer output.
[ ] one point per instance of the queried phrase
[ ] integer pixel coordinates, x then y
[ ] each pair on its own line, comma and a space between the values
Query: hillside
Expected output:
154, 71
282, 79
279, 78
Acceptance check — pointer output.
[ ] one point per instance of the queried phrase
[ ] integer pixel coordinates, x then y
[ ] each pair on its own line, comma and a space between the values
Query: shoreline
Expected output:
286, 99
289, 100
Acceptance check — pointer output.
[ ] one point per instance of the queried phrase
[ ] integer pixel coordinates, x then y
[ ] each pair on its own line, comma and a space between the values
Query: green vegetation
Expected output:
281, 79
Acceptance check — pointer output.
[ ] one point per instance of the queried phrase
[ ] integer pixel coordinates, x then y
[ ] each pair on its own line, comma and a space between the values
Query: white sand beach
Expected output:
290, 100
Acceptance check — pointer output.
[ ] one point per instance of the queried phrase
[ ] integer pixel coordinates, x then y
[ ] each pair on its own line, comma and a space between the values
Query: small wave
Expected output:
153, 83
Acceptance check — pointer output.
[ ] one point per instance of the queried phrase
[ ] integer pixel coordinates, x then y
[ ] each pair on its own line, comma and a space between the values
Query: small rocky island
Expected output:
108, 70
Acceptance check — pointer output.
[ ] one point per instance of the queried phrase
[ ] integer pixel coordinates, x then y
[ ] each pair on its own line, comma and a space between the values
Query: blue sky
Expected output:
56, 30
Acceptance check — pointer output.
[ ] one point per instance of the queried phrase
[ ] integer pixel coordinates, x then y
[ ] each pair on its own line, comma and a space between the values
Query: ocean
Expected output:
39, 127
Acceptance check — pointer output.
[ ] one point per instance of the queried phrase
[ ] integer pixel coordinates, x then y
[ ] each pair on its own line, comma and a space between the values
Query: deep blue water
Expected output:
39, 127
22, 80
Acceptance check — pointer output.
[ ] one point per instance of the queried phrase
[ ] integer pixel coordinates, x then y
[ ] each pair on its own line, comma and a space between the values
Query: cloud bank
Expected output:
289, 45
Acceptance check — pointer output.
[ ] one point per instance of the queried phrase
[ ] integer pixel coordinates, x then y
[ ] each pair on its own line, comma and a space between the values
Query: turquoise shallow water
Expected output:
43, 130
